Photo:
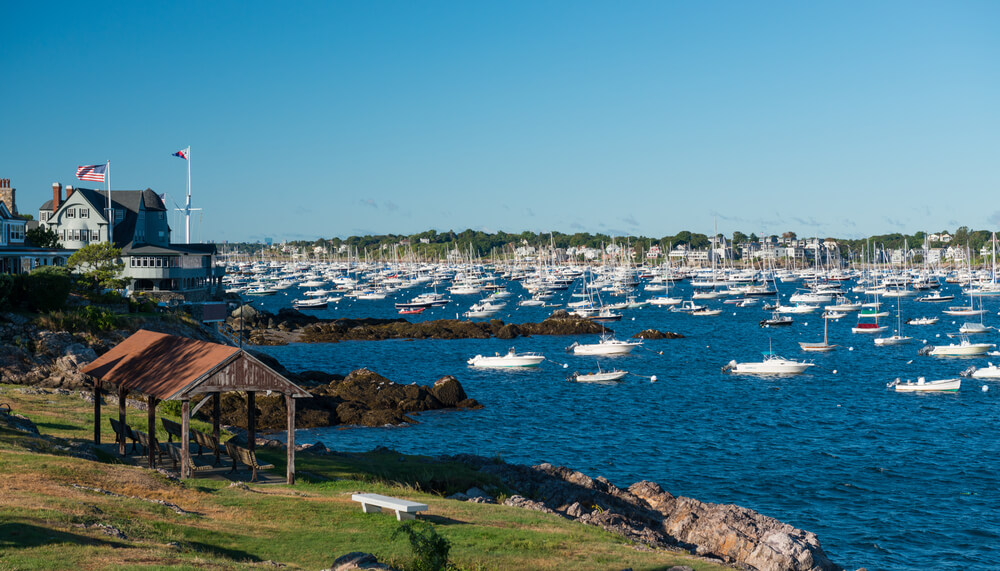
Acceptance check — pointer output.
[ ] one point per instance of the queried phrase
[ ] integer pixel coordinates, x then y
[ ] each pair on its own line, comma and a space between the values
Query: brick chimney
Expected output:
7, 195
69, 191
56, 196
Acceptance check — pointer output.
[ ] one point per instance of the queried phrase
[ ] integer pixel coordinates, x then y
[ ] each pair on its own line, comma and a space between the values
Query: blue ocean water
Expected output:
886, 480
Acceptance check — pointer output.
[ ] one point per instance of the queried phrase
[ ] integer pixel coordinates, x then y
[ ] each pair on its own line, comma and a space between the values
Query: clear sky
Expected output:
317, 119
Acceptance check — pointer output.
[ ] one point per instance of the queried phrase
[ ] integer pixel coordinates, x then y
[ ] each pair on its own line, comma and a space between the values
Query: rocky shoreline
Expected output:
35, 357
260, 327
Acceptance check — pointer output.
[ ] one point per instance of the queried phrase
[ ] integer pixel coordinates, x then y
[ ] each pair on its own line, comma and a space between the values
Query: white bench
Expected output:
371, 503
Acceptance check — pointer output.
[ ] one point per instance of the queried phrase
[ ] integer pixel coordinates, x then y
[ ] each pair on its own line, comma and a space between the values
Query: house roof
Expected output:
172, 250
169, 367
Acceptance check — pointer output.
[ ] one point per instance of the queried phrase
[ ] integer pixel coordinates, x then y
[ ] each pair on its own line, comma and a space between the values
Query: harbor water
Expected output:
886, 480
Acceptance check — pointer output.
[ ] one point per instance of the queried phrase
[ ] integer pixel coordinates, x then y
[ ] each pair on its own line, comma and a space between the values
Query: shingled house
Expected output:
140, 230
16, 254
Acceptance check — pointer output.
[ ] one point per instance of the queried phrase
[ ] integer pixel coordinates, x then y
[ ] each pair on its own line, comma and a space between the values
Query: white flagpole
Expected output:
187, 207
111, 212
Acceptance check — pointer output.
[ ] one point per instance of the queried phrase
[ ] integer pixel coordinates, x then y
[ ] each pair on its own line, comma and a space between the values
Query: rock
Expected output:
523, 502
657, 334
358, 560
448, 391
480, 497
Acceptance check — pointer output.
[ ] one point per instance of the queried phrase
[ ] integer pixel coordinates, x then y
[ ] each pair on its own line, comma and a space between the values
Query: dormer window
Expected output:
119, 215
71, 213
84, 213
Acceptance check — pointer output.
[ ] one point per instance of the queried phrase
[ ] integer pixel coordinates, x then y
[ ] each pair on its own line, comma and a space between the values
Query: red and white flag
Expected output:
183, 153
91, 172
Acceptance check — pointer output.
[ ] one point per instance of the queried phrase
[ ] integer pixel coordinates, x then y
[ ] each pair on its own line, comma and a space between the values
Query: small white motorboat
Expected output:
605, 346
600, 376
923, 385
510, 359
991, 371
771, 365
922, 321
311, 303
706, 311
963, 348
893, 340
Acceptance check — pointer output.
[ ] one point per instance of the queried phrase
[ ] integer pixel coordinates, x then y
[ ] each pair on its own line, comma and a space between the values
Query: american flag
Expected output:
91, 172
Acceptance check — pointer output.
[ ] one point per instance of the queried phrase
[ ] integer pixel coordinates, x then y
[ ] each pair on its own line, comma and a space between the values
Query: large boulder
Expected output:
449, 391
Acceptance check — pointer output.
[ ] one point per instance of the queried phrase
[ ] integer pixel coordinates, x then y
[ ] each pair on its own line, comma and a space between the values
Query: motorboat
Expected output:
991, 371
935, 297
605, 315
771, 365
923, 385
412, 311
797, 308
843, 304
665, 300
312, 303
605, 346
508, 360
776, 320
706, 311
833, 314
963, 348
922, 321
600, 376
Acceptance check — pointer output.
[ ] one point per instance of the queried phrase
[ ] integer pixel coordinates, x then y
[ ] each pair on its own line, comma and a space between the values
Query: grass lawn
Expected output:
54, 513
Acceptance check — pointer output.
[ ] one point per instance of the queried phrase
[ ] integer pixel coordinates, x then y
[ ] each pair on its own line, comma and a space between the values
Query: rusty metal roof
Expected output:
171, 367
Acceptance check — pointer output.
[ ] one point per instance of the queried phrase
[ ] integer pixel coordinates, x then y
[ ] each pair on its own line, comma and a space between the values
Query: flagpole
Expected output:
187, 207
111, 212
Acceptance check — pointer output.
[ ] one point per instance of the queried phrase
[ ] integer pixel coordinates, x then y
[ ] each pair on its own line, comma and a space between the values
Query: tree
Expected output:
47, 288
43, 237
99, 266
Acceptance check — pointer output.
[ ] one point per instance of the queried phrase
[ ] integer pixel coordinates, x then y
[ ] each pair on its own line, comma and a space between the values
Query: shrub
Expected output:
47, 287
430, 550
8, 290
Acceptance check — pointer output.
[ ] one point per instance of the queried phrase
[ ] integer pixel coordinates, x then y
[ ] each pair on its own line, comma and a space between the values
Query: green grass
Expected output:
47, 523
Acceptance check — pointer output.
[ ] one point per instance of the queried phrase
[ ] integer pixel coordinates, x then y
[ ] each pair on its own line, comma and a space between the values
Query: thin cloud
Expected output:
369, 202
391, 206
529, 212
577, 226
994, 218
894, 223
630, 220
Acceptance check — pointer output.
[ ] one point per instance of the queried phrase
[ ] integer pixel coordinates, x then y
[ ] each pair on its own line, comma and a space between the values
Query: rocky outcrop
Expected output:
362, 398
647, 514
358, 560
657, 334
263, 328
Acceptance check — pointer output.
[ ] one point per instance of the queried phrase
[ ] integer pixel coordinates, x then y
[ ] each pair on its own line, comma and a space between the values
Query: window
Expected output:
119, 215
84, 213
43, 216
71, 213
95, 236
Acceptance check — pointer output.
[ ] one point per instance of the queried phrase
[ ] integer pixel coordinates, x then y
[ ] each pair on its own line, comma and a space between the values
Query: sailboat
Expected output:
873, 313
819, 347
896, 338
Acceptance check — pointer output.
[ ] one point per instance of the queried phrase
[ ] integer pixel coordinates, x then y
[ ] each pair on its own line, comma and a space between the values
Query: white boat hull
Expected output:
946, 385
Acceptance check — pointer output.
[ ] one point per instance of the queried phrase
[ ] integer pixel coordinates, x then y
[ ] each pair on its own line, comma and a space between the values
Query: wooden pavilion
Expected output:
167, 367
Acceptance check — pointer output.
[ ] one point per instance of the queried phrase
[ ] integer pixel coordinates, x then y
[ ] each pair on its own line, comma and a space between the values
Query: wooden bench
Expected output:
175, 454
206, 441
241, 455
404, 509
173, 429
123, 432
143, 439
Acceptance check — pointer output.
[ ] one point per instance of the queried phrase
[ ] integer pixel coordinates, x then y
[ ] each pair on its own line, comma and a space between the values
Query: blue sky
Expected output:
321, 119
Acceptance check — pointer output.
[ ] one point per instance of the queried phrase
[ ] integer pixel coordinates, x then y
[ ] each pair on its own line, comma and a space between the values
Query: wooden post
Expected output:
151, 429
122, 396
97, 412
216, 421
251, 420
185, 438
290, 440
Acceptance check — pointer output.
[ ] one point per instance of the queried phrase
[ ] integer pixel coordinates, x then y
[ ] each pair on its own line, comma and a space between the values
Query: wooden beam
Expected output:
122, 396
290, 440
216, 421
97, 412
185, 439
151, 430
251, 420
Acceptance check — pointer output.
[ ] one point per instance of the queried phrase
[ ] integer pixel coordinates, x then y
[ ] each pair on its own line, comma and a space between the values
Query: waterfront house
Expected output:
138, 227
17, 255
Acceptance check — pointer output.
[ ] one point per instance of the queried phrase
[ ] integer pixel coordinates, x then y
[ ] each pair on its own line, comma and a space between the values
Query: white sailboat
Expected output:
822, 347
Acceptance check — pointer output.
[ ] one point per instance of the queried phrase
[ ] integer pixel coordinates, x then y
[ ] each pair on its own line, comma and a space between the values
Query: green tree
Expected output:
99, 266
43, 237
47, 288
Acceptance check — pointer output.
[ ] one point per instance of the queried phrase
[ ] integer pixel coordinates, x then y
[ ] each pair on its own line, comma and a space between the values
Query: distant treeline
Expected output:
434, 244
